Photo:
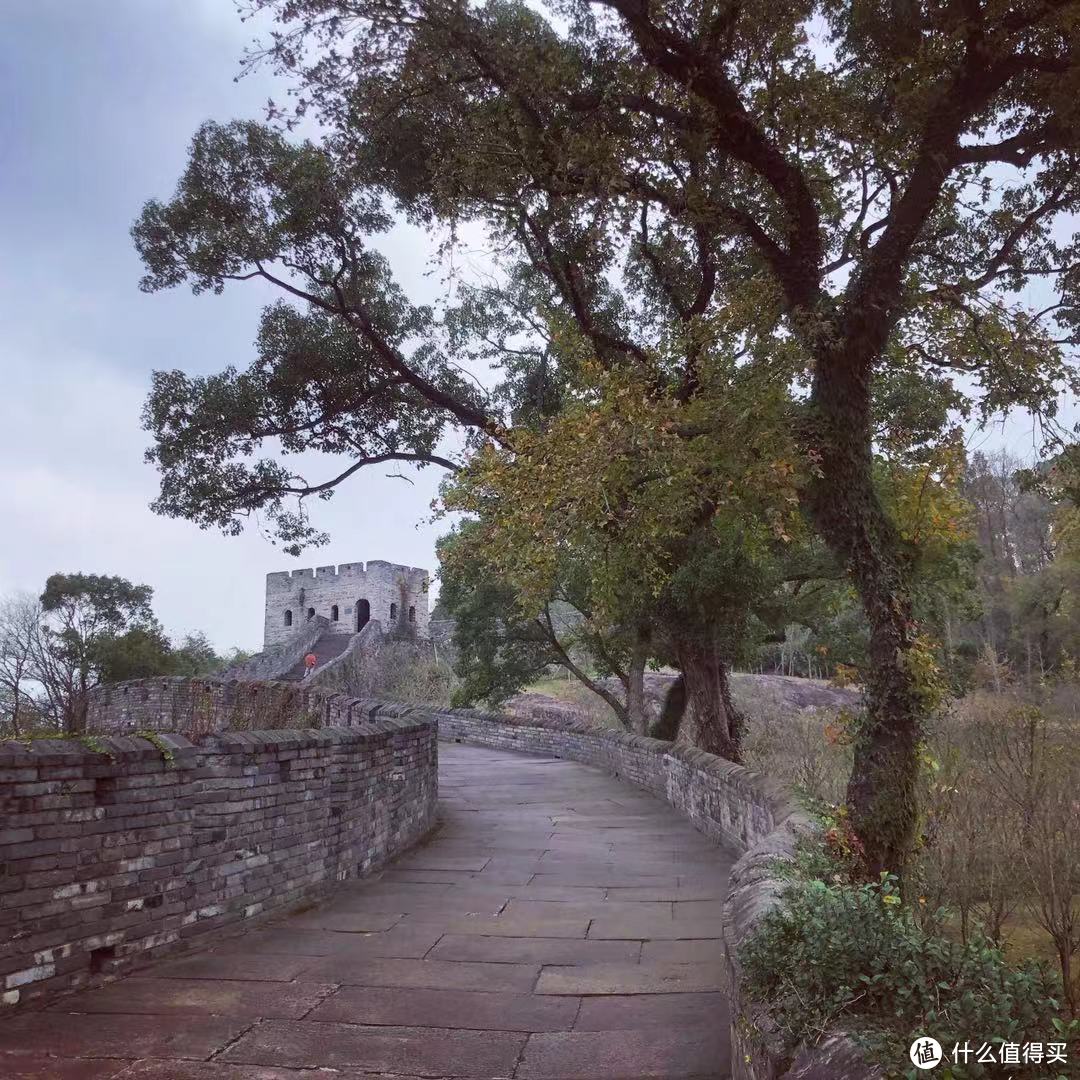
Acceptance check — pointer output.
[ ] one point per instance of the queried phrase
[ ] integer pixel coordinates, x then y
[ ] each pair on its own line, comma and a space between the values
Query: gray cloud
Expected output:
99, 99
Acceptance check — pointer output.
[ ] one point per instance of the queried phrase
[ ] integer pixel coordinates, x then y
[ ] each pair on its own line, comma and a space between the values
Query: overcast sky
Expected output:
98, 101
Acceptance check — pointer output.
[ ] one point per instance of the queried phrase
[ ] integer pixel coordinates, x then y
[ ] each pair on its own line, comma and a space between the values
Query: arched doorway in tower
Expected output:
363, 614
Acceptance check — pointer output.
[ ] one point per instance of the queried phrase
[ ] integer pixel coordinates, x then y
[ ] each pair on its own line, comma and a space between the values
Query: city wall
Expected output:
738, 808
115, 854
116, 850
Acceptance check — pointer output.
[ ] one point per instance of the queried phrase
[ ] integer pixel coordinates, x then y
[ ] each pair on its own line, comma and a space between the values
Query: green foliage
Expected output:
195, 655
104, 603
168, 755
94, 744
136, 654
499, 650
250, 198
836, 954
96, 621
858, 198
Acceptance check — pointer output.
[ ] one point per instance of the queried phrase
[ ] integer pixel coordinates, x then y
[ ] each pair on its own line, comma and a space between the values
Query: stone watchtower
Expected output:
348, 596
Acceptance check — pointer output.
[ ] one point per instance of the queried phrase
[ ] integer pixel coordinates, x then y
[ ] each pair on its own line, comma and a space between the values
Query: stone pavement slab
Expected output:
484, 1055
25, 1067
432, 974
635, 1011
515, 925
630, 979
654, 927
198, 998
677, 1053
217, 1070
682, 952
127, 1036
254, 967
511, 950
457, 1009
560, 926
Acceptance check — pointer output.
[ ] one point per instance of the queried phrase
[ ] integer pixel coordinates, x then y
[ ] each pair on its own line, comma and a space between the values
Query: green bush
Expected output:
852, 956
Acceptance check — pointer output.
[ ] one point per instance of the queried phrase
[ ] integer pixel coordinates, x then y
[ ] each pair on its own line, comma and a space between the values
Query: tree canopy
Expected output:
881, 200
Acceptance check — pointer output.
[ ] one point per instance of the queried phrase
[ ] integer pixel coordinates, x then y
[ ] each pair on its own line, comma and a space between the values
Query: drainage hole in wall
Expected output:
100, 958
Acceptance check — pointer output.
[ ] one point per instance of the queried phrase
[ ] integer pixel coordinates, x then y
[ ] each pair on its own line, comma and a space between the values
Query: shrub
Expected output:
398, 670
807, 749
852, 955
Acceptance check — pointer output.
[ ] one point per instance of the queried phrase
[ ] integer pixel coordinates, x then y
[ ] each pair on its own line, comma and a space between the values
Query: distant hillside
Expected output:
754, 694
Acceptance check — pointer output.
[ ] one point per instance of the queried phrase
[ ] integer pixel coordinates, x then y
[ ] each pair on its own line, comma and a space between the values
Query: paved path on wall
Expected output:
561, 925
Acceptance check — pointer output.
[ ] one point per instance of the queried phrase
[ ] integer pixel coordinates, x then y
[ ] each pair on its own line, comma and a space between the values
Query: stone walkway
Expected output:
561, 925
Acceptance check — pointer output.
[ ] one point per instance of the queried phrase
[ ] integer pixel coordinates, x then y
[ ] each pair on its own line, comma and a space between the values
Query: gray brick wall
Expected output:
114, 851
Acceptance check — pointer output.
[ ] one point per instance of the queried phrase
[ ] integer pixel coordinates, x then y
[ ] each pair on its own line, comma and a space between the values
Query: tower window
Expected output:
334, 613
288, 618
311, 613
412, 614
393, 612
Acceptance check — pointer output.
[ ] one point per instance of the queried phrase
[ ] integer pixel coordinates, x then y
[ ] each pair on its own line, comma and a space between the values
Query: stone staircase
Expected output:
327, 648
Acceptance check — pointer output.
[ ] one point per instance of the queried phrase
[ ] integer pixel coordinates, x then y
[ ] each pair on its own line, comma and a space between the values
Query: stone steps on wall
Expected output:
327, 648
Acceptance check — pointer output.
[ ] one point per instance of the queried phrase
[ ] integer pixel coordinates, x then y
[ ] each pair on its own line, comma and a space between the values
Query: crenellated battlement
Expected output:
347, 596
287, 578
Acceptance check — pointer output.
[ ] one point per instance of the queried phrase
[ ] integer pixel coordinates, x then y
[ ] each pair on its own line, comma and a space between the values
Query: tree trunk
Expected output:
671, 715
846, 511
708, 695
635, 686
1065, 961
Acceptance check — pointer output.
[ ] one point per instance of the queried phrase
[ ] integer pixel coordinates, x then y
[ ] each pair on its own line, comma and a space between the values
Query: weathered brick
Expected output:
133, 857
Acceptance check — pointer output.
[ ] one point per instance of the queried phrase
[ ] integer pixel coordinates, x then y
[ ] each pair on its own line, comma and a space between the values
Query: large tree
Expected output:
94, 628
872, 189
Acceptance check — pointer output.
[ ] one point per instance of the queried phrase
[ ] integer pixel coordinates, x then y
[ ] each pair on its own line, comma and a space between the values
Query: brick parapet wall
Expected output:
742, 810
114, 851
200, 706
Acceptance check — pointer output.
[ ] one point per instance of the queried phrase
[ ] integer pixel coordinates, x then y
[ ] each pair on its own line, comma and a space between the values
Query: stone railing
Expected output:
272, 663
117, 850
738, 808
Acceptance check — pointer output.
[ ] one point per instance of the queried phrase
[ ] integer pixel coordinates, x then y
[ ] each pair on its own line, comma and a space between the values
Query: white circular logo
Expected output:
925, 1052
